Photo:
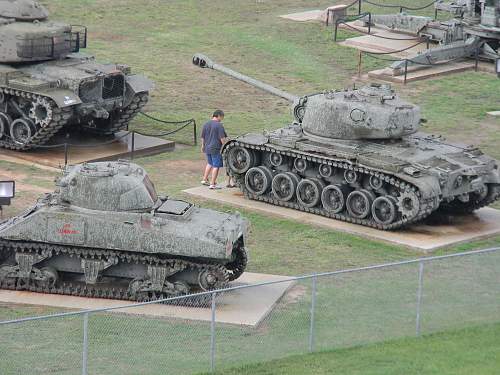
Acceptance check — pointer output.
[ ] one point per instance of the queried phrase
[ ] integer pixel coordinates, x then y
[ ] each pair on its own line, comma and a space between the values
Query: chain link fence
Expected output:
319, 312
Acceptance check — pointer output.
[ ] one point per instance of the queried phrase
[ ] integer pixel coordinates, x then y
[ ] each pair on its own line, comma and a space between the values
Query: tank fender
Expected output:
134, 84
428, 185
493, 177
63, 98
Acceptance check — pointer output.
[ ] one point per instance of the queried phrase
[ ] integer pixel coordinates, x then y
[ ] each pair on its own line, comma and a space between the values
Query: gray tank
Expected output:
104, 232
358, 156
46, 84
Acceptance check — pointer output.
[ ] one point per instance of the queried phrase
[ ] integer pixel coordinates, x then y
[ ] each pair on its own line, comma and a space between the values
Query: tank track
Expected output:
460, 208
238, 266
126, 114
426, 206
60, 117
82, 289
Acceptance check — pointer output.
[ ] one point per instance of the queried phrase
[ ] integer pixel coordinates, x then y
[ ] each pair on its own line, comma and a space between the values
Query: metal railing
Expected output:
322, 311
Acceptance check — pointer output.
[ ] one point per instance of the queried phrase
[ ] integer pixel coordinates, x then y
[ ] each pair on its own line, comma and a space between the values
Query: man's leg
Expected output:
208, 169
215, 173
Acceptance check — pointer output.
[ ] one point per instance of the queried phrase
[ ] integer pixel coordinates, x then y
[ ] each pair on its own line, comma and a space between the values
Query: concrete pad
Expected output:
493, 114
425, 237
310, 15
388, 74
372, 43
246, 306
83, 151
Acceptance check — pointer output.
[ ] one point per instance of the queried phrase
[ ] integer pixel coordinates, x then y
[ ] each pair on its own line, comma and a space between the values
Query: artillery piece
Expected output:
474, 31
104, 232
357, 156
46, 84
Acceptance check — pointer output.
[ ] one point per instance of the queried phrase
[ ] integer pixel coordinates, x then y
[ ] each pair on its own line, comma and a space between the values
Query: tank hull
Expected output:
382, 184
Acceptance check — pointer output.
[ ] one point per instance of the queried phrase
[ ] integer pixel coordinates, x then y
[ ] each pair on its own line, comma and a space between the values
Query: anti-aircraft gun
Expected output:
46, 84
474, 31
357, 156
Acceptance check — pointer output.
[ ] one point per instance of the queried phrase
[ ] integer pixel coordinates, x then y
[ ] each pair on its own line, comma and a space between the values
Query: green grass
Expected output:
469, 351
352, 310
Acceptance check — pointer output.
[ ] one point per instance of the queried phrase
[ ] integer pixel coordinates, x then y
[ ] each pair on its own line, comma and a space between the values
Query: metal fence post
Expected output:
419, 296
359, 7
360, 57
406, 71
195, 133
313, 311
212, 335
65, 154
85, 351
132, 147
476, 57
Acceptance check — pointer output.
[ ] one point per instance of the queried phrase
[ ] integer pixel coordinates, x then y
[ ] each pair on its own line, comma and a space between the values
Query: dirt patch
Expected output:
294, 294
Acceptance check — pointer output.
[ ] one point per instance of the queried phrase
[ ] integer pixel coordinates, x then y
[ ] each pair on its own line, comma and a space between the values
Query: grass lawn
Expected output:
469, 351
158, 38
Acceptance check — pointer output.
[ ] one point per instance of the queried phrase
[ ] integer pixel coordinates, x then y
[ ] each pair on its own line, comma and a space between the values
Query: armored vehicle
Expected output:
46, 84
356, 155
105, 232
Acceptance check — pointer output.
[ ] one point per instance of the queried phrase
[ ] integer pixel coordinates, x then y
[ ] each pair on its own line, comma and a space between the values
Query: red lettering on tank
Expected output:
66, 229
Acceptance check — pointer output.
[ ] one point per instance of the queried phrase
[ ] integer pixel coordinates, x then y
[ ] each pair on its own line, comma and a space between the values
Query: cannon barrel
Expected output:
205, 62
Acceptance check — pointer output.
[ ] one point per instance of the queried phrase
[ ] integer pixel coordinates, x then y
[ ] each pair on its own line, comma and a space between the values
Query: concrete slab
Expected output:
246, 306
118, 148
387, 74
376, 44
309, 15
424, 237
493, 114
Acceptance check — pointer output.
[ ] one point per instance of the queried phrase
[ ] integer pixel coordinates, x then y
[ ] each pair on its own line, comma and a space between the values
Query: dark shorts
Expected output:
215, 160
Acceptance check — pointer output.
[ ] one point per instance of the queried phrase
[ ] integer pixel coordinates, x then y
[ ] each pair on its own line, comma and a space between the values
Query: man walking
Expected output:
213, 136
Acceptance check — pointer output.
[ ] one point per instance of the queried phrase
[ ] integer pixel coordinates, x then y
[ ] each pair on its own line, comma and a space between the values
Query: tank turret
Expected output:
26, 35
104, 232
47, 84
357, 156
23, 10
371, 112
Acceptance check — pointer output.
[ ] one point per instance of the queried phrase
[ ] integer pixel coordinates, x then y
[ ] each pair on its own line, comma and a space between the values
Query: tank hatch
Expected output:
23, 10
108, 186
174, 207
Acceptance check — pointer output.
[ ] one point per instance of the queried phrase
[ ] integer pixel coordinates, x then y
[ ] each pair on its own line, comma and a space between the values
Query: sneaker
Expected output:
214, 187
206, 183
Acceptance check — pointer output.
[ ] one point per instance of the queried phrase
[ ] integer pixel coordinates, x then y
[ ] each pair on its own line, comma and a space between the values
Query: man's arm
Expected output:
222, 135
203, 139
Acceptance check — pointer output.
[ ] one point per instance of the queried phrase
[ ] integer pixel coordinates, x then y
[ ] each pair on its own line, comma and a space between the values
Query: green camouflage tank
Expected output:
46, 84
358, 156
106, 233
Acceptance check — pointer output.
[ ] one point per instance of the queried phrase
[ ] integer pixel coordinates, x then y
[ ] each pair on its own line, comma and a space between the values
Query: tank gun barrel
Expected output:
205, 62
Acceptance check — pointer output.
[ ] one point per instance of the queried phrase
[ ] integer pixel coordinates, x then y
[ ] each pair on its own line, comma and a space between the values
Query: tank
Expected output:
358, 156
104, 232
47, 84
